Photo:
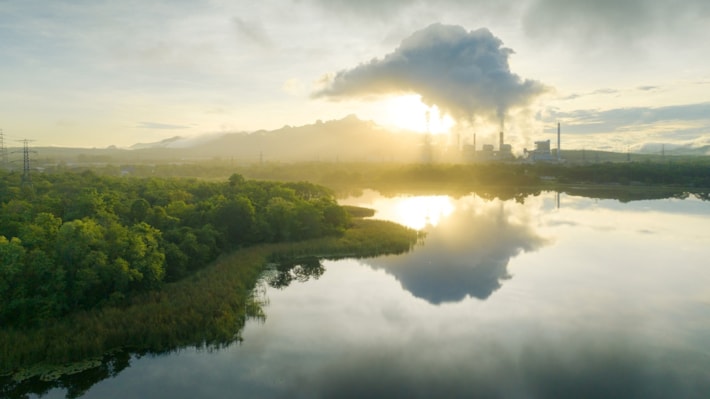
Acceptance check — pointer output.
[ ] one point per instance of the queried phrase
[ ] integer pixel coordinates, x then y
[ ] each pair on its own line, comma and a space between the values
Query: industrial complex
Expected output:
541, 153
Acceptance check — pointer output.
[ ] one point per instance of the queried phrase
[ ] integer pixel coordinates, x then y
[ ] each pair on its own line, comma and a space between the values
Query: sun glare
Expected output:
408, 112
419, 212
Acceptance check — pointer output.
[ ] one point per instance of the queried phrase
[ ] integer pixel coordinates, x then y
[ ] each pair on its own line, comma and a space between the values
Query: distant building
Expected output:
541, 153
488, 152
506, 152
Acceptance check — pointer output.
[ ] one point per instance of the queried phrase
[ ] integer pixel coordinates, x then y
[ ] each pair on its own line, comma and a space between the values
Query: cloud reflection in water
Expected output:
622, 317
466, 254
544, 369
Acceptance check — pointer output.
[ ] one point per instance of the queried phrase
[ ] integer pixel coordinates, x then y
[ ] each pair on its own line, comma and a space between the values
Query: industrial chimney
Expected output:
500, 148
558, 143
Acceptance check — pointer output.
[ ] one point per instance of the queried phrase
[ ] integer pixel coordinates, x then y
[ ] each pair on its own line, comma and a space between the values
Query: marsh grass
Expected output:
206, 310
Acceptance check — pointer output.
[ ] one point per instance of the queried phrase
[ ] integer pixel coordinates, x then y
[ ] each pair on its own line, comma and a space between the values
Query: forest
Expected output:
76, 241
207, 308
73, 241
682, 173
151, 258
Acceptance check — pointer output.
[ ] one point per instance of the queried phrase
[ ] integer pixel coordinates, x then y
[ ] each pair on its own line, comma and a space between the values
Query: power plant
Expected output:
542, 151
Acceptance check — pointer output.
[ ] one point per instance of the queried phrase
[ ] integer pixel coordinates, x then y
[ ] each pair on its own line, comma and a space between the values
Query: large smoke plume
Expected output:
465, 73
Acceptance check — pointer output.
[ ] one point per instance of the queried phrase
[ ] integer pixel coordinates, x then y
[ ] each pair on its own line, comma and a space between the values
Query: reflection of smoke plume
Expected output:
465, 74
466, 255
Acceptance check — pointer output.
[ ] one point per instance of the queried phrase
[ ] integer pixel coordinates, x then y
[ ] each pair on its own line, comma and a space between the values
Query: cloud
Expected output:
605, 91
253, 31
364, 8
465, 73
384, 10
458, 261
618, 119
157, 125
619, 23
485, 369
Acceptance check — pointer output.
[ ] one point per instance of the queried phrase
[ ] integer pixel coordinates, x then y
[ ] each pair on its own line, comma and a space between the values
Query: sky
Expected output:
617, 74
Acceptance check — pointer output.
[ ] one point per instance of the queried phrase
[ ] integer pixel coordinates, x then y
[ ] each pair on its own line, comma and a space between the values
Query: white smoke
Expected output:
465, 73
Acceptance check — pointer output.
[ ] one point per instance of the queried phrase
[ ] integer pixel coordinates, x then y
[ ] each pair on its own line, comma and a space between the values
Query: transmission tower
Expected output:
26, 163
26, 179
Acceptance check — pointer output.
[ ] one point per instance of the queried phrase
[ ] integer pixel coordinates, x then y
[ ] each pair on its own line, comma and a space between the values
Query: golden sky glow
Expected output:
408, 112
103, 72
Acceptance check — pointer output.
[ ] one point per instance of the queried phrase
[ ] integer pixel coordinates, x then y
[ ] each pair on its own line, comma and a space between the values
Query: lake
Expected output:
549, 296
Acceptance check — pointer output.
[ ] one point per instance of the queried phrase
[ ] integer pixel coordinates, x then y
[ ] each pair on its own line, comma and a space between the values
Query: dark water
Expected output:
591, 299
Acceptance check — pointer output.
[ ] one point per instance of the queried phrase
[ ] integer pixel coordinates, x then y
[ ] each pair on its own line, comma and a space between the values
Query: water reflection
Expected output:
420, 212
539, 370
416, 212
466, 254
608, 311
289, 270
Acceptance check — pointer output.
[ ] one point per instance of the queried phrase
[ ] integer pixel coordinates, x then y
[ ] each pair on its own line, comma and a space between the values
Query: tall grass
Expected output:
208, 309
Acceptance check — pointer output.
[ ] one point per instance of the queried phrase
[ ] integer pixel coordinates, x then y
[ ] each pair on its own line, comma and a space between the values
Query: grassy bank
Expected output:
206, 309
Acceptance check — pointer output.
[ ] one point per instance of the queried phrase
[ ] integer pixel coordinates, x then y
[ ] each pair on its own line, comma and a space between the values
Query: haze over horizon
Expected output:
100, 73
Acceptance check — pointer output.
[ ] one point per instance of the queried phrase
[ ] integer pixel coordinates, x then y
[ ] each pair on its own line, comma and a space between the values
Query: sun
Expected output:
408, 112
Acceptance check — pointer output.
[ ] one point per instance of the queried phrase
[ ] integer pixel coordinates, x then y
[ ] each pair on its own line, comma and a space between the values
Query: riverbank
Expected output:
207, 309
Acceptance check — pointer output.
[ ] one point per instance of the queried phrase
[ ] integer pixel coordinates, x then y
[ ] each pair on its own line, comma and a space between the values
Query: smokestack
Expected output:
474, 142
500, 148
558, 142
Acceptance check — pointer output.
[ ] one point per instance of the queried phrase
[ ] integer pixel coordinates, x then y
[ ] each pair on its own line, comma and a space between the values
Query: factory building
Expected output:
488, 152
542, 152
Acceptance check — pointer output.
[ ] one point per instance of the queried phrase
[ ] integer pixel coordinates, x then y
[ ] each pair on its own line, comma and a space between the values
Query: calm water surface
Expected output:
591, 298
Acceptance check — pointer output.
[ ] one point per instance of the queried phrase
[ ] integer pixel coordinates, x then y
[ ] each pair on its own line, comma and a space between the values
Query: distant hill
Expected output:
347, 139
160, 144
674, 149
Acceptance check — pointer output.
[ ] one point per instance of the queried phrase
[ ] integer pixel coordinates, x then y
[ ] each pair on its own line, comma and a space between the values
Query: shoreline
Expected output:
206, 309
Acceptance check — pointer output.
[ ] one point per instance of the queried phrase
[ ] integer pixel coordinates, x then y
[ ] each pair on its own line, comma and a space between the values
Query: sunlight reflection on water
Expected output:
593, 299
416, 212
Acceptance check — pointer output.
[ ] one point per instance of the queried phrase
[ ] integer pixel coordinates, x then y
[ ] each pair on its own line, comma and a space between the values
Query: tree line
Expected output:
77, 241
